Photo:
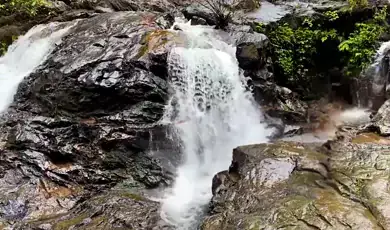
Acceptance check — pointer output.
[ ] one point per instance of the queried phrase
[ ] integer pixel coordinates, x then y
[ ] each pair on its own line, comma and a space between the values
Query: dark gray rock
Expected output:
198, 21
82, 123
260, 41
248, 57
199, 11
124, 5
280, 102
252, 49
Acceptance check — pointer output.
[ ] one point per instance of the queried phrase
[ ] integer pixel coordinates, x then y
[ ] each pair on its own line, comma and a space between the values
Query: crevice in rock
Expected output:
308, 224
322, 217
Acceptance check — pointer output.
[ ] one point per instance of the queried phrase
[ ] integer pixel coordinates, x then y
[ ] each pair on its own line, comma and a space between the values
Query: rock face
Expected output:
286, 185
372, 88
81, 124
276, 101
381, 121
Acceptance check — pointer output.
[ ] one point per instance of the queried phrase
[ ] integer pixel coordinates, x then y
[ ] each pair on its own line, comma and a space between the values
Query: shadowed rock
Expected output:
82, 123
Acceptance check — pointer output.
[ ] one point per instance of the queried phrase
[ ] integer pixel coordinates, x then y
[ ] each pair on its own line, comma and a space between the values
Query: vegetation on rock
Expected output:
357, 3
300, 45
360, 46
26, 7
4, 45
294, 48
24, 11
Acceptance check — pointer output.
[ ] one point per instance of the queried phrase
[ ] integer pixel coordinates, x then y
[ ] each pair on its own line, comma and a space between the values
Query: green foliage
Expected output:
332, 15
3, 48
357, 3
4, 45
297, 44
260, 27
361, 44
28, 7
295, 47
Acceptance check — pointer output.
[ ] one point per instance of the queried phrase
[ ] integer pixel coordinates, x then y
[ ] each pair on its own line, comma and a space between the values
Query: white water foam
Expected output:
212, 113
24, 55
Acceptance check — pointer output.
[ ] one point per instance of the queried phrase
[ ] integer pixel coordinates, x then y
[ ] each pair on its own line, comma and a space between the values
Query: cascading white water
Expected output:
212, 113
24, 55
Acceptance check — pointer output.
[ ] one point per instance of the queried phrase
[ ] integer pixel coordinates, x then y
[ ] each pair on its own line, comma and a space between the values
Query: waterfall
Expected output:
24, 55
372, 87
211, 112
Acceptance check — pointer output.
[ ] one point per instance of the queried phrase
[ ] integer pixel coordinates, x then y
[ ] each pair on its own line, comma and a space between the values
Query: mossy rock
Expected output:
118, 208
157, 41
287, 185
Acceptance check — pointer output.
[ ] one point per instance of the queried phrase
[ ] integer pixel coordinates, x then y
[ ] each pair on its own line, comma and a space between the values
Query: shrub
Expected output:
361, 45
357, 3
27, 7
4, 44
331, 15
295, 47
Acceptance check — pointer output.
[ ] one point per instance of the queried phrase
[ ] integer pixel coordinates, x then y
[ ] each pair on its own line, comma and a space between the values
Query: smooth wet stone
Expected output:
381, 120
288, 185
82, 123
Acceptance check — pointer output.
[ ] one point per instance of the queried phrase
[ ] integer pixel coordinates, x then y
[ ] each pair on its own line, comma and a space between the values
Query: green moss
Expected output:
153, 40
252, 223
367, 138
45, 218
133, 196
66, 224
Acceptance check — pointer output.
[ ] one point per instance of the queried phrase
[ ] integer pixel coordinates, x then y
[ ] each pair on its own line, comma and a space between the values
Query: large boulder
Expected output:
200, 11
82, 123
381, 121
280, 102
341, 185
251, 49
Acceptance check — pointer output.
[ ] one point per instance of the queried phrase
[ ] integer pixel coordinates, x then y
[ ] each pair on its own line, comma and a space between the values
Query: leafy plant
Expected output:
4, 45
361, 45
357, 3
260, 27
3, 48
332, 15
28, 7
294, 48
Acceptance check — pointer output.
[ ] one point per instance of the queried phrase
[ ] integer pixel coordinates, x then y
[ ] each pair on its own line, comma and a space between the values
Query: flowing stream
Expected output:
212, 113
24, 55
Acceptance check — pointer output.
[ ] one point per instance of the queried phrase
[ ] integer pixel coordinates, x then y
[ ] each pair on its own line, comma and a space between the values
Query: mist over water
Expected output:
212, 113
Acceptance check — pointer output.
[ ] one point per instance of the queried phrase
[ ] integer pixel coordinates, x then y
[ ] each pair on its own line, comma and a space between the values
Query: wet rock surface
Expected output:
381, 121
340, 185
82, 124
371, 89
